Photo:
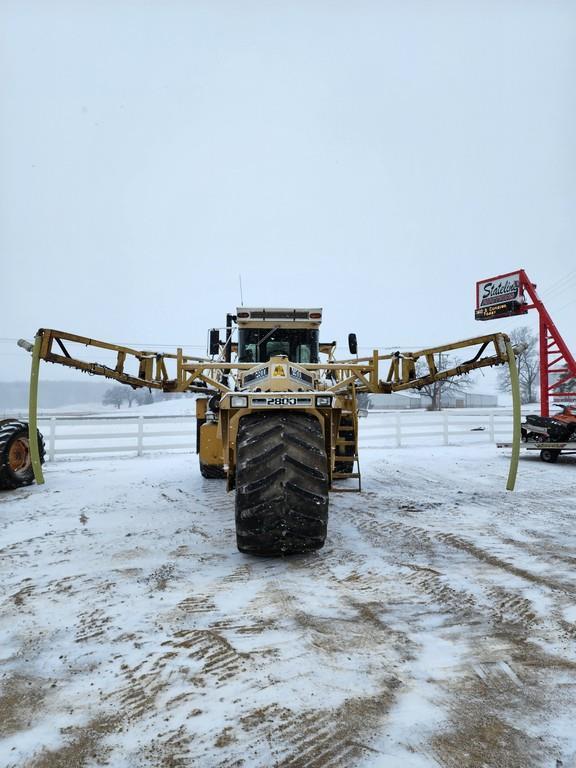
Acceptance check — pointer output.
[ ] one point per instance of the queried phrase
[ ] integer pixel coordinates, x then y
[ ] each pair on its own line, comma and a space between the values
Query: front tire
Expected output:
15, 457
281, 484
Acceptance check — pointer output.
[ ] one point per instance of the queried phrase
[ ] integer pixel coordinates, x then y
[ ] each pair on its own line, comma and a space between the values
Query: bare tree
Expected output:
566, 386
159, 395
131, 395
114, 396
144, 397
528, 361
437, 391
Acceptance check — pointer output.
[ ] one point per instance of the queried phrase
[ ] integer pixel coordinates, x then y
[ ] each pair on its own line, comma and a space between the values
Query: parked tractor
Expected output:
15, 456
277, 415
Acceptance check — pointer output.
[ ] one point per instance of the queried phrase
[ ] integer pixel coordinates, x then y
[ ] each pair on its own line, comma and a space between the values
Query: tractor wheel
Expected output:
281, 484
212, 471
550, 455
15, 458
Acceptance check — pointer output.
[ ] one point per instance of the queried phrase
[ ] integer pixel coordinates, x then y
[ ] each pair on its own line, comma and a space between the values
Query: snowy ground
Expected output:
436, 628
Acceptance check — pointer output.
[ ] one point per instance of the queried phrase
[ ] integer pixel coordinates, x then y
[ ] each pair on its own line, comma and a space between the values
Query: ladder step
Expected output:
345, 475
345, 442
349, 459
346, 490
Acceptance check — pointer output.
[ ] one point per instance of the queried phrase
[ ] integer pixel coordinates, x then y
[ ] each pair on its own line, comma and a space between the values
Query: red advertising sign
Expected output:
501, 296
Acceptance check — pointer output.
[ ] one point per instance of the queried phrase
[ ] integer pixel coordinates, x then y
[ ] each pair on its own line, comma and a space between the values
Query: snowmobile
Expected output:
560, 428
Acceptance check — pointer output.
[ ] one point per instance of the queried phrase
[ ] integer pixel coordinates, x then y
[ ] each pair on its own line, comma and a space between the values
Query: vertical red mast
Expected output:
503, 296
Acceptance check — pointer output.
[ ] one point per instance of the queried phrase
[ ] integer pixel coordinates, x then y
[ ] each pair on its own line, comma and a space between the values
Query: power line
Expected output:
550, 288
569, 281
569, 304
143, 345
570, 285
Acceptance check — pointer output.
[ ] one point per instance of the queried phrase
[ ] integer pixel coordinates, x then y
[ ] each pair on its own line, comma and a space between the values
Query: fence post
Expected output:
491, 427
140, 435
52, 439
398, 430
445, 426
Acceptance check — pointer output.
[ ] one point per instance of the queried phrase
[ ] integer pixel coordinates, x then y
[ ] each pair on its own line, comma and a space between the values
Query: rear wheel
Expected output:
281, 484
15, 457
550, 455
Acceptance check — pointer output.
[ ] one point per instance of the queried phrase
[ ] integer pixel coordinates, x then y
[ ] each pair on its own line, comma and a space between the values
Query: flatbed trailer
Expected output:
549, 452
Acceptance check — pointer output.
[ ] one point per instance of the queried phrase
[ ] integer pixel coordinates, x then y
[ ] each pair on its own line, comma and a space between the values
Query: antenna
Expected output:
241, 296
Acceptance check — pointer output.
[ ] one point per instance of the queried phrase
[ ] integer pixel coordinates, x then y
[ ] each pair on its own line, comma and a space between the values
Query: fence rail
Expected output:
84, 435
400, 428
66, 436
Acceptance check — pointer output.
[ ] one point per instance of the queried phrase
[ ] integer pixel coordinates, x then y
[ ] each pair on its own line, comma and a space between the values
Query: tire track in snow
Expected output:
221, 664
320, 738
490, 688
496, 562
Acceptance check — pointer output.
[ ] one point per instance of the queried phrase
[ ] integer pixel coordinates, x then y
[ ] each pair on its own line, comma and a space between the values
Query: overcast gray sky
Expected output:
371, 158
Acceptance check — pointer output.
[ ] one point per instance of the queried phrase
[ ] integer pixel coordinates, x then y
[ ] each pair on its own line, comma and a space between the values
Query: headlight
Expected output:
324, 401
239, 401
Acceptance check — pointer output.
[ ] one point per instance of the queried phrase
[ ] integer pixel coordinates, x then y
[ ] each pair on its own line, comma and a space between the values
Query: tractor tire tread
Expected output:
281, 484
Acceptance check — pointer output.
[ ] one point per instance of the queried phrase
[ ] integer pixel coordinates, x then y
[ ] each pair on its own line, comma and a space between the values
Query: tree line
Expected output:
120, 394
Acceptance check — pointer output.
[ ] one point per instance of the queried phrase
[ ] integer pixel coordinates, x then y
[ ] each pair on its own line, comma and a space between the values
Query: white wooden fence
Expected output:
139, 434
65, 436
449, 427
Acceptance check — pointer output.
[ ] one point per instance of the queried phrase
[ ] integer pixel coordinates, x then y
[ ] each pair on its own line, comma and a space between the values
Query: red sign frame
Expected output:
555, 357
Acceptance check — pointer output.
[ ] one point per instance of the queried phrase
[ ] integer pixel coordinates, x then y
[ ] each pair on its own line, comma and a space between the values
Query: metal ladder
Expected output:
348, 437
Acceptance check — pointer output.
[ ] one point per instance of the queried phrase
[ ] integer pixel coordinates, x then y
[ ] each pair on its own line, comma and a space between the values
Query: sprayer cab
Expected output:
267, 333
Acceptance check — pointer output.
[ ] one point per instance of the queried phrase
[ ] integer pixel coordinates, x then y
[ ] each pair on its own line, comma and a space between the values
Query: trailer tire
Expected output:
281, 484
15, 458
212, 471
549, 455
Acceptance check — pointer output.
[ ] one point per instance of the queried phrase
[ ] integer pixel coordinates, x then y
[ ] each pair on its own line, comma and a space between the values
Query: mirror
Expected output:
352, 343
214, 341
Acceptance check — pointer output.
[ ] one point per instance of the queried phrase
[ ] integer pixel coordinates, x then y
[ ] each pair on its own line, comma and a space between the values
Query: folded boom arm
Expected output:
184, 373
176, 372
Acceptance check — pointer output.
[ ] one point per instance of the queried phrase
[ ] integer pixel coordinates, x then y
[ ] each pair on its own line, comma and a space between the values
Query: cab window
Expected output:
258, 345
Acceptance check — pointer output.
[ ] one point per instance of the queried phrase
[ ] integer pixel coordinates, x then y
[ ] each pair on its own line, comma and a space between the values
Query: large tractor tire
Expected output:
15, 457
281, 484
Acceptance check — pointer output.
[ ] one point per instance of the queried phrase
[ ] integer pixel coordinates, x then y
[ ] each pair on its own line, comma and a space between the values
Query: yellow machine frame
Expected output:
176, 372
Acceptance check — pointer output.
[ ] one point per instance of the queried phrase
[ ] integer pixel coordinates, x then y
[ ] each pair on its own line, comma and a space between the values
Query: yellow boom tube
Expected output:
516, 416
33, 413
